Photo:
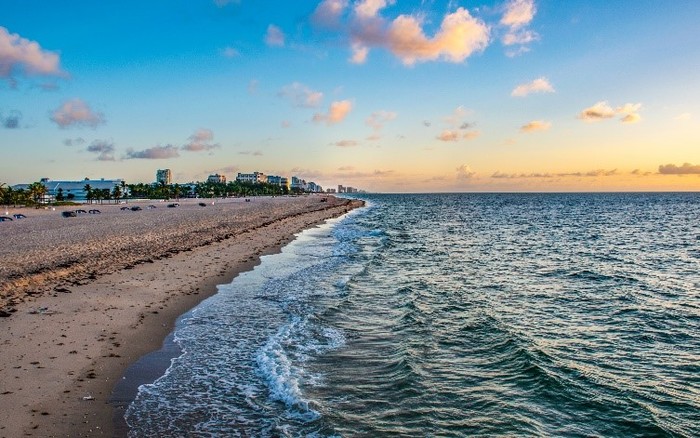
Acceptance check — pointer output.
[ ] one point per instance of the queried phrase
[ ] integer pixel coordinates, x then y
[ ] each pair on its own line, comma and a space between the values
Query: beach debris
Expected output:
62, 290
4, 314
94, 211
19, 216
69, 214
5, 219
202, 204
88, 397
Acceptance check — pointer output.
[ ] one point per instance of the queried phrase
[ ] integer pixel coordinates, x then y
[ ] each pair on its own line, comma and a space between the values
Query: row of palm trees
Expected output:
32, 195
36, 193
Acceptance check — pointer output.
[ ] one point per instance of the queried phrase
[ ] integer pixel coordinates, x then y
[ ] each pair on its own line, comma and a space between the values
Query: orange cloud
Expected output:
459, 36
536, 125
602, 110
517, 15
336, 113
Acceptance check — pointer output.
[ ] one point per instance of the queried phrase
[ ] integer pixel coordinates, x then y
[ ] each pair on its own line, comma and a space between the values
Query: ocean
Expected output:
450, 315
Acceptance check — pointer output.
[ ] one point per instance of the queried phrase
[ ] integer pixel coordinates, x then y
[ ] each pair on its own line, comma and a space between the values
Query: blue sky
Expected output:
387, 96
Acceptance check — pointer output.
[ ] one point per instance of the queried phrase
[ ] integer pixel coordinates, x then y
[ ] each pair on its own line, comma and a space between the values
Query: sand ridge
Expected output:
64, 347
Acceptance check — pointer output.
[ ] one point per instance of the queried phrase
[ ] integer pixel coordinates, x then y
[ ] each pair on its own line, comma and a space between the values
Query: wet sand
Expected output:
90, 295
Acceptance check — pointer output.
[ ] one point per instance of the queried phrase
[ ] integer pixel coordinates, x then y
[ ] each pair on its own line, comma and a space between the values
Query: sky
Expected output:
383, 95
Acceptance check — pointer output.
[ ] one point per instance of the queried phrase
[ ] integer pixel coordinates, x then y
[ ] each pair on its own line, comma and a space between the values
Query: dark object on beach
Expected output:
69, 214
324, 199
94, 212
5, 219
202, 204
19, 216
247, 200
173, 205
125, 208
135, 208
151, 206
80, 211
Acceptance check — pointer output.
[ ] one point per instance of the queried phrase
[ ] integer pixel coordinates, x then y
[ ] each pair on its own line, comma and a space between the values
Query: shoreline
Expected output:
64, 351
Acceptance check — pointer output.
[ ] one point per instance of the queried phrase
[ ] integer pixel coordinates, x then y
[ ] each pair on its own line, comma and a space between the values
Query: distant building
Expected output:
74, 190
217, 179
281, 181
313, 187
164, 176
298, 184
341, 189
254, 178
330, 190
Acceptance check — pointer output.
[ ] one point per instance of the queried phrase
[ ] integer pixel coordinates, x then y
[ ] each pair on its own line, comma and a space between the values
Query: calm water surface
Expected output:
452, 315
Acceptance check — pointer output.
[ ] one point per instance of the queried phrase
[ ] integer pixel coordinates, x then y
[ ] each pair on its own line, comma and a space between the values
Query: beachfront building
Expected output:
254, 178
74, 190
281, 181
164, 177
341, 189
298, 184
330, 190
217, 179
313, 187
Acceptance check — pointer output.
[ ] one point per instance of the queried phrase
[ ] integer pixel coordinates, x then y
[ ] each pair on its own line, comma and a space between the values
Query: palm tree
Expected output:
59, 195
88, 193
117, 193
37, 191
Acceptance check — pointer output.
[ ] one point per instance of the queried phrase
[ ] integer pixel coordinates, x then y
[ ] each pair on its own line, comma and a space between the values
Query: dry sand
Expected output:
88, 296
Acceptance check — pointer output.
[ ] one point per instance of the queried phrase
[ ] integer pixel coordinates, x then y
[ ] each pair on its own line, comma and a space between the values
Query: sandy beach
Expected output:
82, 298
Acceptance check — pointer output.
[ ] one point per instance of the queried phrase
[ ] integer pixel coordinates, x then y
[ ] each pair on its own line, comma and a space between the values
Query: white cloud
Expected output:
336, 113
76, 112
20, 55
539, 85
274, 36
536, 125
518, 14
684, 117
300, 95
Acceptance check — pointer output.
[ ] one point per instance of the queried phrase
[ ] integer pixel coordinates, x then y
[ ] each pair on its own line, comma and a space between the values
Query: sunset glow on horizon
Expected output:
383, 95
